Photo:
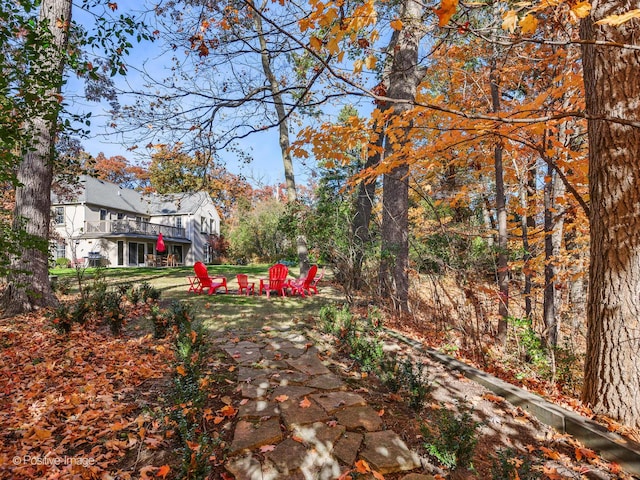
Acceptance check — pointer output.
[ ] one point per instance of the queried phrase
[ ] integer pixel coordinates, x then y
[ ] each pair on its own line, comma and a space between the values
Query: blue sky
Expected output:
263, 147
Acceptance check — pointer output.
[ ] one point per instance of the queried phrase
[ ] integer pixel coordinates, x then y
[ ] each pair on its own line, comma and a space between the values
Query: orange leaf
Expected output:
163, 471
446, 11
218, 420
305, 403
549, 453
362, 466
552, 473
396, 24
180, 369
145, 471
41, 433
493, 398
194, 446
228, 411
377, 475
381, 412
267, 448
282, 398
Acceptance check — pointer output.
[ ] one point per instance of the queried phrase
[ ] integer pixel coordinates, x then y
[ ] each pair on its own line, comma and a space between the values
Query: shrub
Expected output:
417, 384
63, 262
61, 318
112, 312
452, 438
507, 465
161, 321
148, 292
63, 285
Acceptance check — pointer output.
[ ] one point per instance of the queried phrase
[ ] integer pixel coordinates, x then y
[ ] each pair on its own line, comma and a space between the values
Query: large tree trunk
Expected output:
501, 213
29, 285
362, 216
403, 80
612, 370
283, 130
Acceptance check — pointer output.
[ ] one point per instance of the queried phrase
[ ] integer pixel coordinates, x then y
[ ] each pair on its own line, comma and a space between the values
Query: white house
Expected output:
101, 222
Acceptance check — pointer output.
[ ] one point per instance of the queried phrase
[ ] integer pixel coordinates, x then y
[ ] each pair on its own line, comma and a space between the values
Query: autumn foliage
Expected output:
73, 405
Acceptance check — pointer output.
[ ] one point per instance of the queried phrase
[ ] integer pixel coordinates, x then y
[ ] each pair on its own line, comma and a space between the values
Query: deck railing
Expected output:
126, 226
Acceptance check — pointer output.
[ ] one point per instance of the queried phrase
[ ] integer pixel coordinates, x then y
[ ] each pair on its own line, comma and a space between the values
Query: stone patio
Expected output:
298, 420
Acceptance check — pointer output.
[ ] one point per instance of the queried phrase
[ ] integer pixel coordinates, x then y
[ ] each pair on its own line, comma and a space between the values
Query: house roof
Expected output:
101, 193
177, 203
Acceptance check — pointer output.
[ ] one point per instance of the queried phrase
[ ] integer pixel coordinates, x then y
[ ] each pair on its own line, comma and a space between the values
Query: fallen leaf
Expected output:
377, 475
552, 473
267, 448
493, 398
549, 453
362, 466
282, 398
228, 411
180, 369
163, 471
145, 471
381, 412
306, 403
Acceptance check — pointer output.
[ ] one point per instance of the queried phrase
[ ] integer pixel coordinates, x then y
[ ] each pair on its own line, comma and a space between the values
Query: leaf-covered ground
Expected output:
74, 406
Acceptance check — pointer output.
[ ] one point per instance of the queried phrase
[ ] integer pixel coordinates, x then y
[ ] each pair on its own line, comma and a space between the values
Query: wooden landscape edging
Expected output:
611, 446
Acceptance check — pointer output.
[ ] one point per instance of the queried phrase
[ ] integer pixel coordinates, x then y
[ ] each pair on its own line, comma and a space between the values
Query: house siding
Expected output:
86, 236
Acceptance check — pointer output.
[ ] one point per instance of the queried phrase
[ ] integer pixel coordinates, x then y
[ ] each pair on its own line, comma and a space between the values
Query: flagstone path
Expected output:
298, 420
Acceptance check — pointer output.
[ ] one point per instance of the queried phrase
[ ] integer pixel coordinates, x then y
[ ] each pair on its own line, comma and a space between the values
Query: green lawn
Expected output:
220, 311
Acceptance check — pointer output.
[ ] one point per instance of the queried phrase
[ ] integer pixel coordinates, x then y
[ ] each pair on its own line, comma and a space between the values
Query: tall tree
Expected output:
405, 74
283, 125
29, 285
611, 73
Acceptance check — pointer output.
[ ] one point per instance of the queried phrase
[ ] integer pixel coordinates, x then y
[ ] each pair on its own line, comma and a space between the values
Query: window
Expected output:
120, 216
61, 250
203, 225
103, 214
178, 222
212, 226
58, 215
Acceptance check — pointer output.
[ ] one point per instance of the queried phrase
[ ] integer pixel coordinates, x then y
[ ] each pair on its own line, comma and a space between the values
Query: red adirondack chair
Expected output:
313, 286
302, 285
244, 285
277, 280
212, 283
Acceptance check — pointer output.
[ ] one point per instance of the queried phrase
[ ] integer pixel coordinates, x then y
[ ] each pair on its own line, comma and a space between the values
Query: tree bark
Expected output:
404, 77
362, 216
283, 130
501, 213
553, 231
29, 285
612, 370
527, 192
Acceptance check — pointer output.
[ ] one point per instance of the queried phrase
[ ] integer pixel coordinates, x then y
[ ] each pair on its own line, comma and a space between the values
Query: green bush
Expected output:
61, 318
452, 438
507, 465
62, 262
112, 312
148, 292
